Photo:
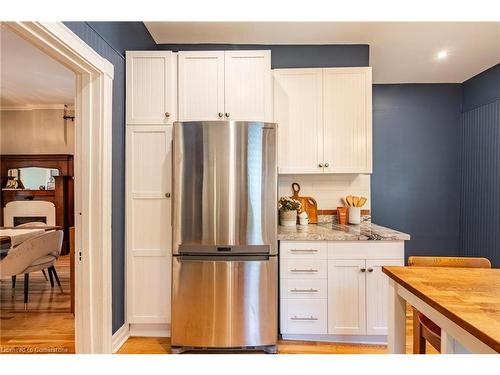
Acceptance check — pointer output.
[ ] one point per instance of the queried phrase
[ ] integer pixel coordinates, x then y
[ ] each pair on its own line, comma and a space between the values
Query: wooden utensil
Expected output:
362, 202
349, 201
309, 204
356, 201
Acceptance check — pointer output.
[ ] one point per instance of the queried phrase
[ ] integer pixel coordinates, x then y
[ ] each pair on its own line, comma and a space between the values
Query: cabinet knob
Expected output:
370, 269
221, 114
320, 165
327, 165
167, 114
227, 114
363, 269
167, 195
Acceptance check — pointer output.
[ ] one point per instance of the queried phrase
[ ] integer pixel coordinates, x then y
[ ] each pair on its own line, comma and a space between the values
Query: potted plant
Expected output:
288, 208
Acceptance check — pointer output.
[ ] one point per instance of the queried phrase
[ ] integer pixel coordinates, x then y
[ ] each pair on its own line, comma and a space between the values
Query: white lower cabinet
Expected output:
335, 288
377, 284
149, 237
346, 297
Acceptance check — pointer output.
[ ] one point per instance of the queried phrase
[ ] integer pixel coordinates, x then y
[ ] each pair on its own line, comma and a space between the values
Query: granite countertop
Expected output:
336, 232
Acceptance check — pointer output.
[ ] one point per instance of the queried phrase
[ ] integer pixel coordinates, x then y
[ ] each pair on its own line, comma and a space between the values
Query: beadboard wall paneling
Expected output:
416, 175
482, 89
480, 182
328, 190
293, 56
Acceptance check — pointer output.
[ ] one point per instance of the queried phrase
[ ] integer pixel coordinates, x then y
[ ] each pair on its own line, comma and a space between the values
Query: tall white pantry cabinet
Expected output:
151, 109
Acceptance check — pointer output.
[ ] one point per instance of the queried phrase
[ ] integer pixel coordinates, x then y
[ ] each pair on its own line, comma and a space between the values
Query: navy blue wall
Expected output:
415, 181
114, 54
293, 56
122, 36
480, 162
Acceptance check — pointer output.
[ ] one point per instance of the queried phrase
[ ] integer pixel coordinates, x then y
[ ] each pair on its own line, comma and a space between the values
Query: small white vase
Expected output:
288, 218
354, 215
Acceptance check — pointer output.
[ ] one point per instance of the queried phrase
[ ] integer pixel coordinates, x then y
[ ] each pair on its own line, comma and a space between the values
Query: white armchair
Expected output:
32, 255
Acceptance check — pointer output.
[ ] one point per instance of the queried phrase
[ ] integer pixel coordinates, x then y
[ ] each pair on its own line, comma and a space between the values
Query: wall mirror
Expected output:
32, 178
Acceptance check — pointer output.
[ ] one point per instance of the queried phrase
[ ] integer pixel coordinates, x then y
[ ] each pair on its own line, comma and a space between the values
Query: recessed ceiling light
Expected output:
442, 55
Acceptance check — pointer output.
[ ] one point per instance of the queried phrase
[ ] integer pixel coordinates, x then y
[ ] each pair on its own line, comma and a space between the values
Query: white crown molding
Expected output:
31, 107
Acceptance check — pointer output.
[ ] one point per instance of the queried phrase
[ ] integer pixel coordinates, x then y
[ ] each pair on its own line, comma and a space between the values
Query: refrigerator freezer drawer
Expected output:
224, 302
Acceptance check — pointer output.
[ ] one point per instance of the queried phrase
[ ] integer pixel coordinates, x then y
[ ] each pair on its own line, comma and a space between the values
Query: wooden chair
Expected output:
425, 329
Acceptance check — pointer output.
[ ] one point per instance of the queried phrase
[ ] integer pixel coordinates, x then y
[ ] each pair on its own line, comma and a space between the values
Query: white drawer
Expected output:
303, 250
303, 288
366, 249
303, 269
304, 316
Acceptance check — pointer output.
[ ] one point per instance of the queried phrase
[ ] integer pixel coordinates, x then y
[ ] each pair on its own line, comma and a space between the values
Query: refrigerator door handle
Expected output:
222, 258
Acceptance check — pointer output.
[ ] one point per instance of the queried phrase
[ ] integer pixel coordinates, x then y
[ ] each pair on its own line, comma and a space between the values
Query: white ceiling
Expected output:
30, 77
400, 52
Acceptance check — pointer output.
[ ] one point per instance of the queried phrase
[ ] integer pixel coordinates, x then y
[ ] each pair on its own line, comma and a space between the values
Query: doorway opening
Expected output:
56, 183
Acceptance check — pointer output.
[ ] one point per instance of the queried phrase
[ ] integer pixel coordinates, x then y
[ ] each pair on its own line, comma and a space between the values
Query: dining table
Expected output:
463, 302
11, 236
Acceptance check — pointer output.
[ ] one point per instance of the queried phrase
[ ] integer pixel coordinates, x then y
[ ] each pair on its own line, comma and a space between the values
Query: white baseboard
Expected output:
353, 339
150, 330
119, 337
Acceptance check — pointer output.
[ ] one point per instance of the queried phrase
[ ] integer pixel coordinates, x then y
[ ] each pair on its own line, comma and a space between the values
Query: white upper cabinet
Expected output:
248, 85
298, 111
201, 85
231, 85
324, 118
151, 87
347, 118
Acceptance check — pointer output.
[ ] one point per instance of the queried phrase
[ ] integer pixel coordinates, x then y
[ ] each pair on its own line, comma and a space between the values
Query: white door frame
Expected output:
93, 152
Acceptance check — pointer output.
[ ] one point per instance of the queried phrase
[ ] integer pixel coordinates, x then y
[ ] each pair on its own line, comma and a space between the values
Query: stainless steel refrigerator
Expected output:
224, 266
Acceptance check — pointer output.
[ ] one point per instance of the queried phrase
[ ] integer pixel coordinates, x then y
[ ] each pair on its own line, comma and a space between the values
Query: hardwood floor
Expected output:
48, 325
161, 345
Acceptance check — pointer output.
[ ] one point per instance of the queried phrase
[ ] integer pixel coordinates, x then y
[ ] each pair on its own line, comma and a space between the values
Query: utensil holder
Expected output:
354, 215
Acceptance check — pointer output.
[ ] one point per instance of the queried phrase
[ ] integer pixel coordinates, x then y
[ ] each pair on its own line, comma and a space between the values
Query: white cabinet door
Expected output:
151, 87
148, 240
298, 110
377, 284
248, 88
347, 111
201, 85
346, 297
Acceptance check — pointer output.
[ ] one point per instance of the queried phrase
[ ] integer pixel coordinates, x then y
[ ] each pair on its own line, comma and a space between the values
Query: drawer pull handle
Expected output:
310, 290
304, 271
304, 318
303, 251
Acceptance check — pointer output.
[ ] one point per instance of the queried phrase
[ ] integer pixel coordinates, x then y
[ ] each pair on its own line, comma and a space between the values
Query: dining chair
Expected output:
32, 255
31, 224
424, 329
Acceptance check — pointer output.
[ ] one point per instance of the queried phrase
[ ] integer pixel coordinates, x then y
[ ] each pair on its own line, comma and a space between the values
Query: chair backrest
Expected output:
32, 224
462, 262
21, 257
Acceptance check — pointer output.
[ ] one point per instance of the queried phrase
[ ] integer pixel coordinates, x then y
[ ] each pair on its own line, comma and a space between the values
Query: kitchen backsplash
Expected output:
328, 190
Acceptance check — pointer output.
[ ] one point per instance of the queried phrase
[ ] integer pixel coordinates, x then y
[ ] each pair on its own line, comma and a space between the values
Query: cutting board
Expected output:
309, 204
